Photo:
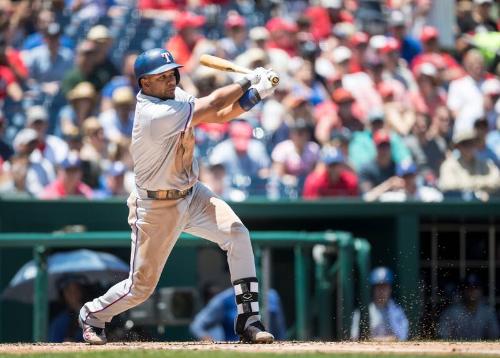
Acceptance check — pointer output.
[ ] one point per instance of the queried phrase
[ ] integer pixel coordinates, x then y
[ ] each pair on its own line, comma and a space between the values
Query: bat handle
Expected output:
275, 80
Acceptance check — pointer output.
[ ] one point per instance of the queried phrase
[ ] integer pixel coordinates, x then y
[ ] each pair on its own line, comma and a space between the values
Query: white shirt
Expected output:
163, 142
425, 194
466, 99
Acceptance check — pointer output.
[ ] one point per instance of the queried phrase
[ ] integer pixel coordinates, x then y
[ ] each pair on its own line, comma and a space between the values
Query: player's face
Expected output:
161, 85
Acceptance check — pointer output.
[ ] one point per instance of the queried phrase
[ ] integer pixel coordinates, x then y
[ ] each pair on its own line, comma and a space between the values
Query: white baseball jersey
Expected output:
163, 142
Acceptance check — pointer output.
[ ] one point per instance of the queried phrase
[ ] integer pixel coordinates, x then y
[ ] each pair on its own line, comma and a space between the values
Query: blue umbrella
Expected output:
95, 266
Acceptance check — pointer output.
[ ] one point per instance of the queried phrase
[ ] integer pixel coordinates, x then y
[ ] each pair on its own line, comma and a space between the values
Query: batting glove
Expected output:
264, 87
255, 76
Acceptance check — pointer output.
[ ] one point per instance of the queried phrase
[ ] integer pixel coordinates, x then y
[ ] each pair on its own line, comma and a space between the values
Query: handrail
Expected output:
300, 241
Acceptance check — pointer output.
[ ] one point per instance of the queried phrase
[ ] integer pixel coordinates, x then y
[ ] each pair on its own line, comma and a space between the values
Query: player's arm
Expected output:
230, 101
207, 109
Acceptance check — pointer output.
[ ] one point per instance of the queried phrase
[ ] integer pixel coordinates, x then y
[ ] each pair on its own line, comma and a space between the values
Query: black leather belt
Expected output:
169, 194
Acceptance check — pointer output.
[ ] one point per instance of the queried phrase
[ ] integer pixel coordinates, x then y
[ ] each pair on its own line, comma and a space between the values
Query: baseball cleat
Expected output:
92, 335
256, 334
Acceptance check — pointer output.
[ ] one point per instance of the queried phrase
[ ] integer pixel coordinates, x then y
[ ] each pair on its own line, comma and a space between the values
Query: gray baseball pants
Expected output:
156, 226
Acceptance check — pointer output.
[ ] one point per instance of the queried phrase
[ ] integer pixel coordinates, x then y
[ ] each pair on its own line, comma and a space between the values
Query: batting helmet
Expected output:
153, 62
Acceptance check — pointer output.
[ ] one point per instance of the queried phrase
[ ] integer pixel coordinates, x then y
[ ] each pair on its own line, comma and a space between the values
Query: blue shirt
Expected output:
115, 83
43, 68
410, 48
221, 312
36, 39
58, 330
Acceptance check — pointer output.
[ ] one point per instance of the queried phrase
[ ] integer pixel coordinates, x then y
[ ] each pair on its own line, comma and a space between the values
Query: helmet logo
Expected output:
167, 56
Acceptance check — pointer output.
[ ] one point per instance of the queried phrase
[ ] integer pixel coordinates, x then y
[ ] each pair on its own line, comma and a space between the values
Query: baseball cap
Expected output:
116, 169
463, 135
24, 137
377, 42
381, 137
71, 161
472, 281
83, 90
341, 95
54, 29
386, 89
241, 134
381, 275
491, 87
481, 2
343, 30
331, 155
235, 20
343, 134
98, 33
36, 113
188, 19
405, 168
332, 4
376, 115
281, 24
341, 54
390, 45
396, 18
359, 38
426, 69
258, 33
429, 33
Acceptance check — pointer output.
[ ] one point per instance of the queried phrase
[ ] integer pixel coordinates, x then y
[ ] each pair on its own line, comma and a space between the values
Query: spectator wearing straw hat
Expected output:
119, 120
82, 101
103, 41
464, 172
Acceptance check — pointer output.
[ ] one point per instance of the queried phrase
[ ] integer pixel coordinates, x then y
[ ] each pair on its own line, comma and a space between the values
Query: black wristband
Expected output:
244, 84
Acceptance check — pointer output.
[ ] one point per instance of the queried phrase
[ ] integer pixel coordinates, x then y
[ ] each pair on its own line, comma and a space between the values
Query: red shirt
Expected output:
6, 78
318, 184
162, 4
15, 60
180, 50
56, 190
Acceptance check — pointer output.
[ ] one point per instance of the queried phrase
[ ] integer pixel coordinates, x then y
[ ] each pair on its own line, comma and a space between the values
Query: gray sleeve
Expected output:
170, 117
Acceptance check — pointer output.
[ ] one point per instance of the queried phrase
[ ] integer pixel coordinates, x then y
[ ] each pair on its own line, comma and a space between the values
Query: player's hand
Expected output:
264, 87
255, 76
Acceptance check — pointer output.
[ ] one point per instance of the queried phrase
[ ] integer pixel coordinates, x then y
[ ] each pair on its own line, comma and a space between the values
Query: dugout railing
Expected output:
338, 263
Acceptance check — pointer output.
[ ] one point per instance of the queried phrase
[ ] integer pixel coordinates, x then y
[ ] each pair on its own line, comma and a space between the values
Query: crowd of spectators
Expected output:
381, 107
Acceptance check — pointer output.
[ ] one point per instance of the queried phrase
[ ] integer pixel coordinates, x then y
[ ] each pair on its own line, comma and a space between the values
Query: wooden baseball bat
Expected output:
228, 66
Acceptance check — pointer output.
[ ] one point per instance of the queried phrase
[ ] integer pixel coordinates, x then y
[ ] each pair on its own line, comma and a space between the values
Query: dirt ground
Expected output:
472, 349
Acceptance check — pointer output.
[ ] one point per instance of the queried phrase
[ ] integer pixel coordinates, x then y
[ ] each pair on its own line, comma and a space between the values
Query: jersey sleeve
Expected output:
171, 117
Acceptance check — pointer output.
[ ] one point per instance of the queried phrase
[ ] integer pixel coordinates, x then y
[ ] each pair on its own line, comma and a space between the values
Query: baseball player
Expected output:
169, 199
